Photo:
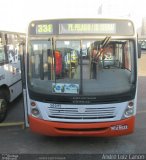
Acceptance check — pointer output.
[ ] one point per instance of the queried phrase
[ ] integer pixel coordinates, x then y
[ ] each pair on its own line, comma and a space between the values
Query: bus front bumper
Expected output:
102, 129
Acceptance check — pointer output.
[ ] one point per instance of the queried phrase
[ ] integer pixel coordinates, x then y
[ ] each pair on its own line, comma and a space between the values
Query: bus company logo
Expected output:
119, 127
81, 110
58, 87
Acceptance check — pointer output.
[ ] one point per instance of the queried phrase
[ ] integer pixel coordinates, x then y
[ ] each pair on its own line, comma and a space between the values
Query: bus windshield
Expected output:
81, 67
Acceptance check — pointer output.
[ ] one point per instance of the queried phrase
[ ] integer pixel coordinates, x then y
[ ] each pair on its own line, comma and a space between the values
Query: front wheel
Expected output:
3, 109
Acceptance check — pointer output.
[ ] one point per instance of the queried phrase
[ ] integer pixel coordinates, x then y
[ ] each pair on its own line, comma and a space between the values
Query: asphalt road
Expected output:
18, 140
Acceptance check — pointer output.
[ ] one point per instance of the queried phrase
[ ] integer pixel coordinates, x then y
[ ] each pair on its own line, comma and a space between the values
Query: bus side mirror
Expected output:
139, 50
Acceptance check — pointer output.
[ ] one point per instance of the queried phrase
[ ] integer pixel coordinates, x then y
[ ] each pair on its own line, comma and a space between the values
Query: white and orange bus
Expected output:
11, 49
68, 94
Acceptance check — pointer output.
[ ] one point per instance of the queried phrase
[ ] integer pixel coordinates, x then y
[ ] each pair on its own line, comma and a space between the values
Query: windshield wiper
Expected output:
104, 43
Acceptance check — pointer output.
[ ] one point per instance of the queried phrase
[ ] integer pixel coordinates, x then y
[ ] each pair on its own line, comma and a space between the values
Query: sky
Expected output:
15, 15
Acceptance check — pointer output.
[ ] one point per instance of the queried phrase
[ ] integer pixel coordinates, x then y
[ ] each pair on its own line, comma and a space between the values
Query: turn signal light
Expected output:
33, 104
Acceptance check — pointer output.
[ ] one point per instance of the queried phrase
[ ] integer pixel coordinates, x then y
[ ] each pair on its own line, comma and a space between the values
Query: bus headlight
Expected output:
129, 111
34, 110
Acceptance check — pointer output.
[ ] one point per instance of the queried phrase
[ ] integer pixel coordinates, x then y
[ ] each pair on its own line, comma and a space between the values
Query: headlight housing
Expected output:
129, 111
34, 110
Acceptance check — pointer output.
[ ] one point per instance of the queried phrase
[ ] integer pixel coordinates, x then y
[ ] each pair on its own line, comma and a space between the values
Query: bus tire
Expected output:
3, 109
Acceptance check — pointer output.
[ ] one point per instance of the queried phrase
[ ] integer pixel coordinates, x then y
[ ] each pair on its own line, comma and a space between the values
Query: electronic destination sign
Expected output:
44, 29
73, 28
81, 27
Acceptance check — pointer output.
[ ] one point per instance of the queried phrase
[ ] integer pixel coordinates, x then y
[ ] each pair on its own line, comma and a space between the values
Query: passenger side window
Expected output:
12, 47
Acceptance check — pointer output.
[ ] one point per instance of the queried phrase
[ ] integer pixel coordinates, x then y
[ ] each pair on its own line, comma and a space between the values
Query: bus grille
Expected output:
82, 113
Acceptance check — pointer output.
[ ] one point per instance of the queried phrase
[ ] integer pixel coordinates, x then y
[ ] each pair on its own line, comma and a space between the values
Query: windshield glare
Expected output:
83, 67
